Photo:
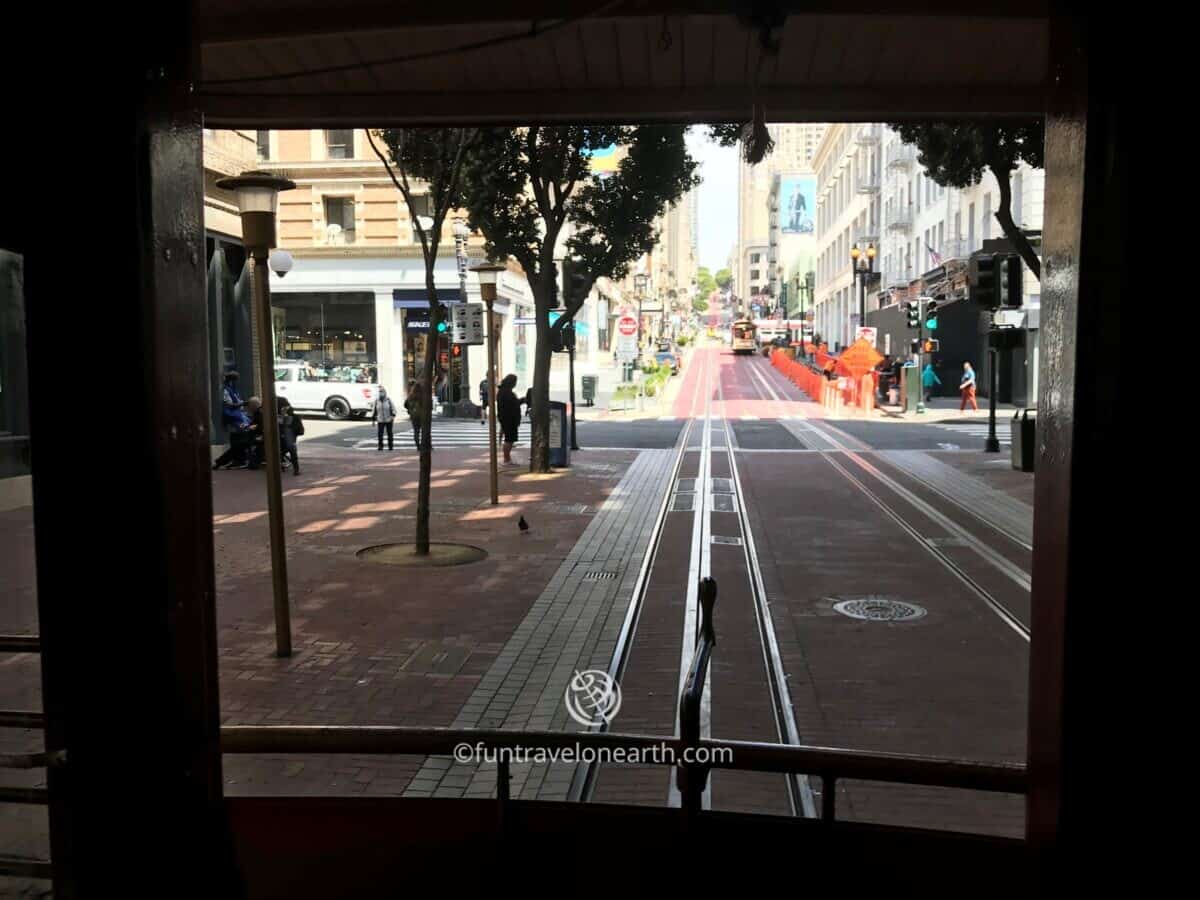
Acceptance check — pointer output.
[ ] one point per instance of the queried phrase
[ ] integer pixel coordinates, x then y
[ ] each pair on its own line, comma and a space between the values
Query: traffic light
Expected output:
914, 346
931, 308
456, 350
932, 345
912, 309
1011, 288
575, 285
441, 327
981, 276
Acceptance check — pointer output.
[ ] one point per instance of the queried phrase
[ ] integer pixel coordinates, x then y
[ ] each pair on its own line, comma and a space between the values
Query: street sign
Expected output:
867, 333
627, 344
466, 323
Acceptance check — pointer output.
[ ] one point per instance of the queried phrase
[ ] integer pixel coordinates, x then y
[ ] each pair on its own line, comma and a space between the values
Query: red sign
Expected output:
627, 325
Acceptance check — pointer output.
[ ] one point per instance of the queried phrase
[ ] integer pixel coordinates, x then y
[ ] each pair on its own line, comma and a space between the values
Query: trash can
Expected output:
1024, 434
589, 389
560, 435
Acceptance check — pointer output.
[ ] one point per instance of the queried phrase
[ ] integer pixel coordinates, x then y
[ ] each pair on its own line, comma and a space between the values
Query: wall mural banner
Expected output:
797, 202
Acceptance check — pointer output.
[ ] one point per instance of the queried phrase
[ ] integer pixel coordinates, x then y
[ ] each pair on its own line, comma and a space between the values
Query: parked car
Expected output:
666, 355
338, 391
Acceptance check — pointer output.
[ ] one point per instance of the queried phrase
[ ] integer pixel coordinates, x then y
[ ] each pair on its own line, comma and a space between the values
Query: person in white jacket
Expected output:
383, 414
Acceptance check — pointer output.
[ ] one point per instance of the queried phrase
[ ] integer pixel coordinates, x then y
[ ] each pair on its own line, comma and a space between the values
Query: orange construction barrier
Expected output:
852, 390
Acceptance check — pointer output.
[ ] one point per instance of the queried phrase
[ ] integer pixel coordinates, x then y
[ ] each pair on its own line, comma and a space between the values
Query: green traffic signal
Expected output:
441, 327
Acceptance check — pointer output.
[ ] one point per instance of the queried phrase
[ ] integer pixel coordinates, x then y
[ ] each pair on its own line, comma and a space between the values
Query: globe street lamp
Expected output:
863, 264
258, 200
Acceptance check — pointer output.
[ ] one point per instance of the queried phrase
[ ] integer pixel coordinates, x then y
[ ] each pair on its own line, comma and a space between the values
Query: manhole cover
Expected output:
878, 609
722, 539
722, 485
600, 576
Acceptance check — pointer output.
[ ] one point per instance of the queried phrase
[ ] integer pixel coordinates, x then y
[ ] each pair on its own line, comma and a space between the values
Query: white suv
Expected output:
340, 391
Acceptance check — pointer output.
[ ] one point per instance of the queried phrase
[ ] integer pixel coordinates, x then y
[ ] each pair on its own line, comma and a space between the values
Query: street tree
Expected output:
955, 155
722, 278
533, 194
704, 282
435, 157
700, 305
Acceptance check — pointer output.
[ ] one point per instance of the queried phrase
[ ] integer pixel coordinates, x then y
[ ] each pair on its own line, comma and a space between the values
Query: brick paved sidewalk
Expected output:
377, 644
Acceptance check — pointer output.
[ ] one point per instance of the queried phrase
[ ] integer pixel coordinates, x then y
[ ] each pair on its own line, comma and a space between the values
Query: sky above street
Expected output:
718, 201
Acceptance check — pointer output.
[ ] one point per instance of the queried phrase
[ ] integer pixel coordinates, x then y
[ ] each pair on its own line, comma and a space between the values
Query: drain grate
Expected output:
600, 575
686, 485
875, 608
722, 485
723, 503
683, 503
724, 539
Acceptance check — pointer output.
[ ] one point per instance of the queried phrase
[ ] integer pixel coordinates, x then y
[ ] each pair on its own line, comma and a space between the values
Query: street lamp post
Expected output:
461, 234
992, 444
488, 272
258, 198
863, 263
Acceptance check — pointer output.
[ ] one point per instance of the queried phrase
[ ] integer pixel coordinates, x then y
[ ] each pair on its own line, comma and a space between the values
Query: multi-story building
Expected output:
356, 295
848, 166
791, 212
929, 233
795, 149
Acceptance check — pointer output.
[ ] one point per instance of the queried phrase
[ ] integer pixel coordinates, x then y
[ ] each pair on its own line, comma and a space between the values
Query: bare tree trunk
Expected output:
1011, 231
425, 451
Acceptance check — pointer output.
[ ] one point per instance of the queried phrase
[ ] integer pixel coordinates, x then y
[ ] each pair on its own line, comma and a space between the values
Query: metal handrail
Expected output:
15, 718
20, 643
749, 756
691, 778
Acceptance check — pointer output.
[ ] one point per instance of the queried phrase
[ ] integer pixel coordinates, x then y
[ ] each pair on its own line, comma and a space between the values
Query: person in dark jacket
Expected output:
291, 426
483, 401
254, 434
235, 421
508, 415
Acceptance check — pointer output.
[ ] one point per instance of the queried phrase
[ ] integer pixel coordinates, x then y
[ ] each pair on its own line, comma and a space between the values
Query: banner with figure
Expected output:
797, 202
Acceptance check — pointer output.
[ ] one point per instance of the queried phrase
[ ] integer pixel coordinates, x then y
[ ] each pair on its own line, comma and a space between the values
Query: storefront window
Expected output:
327, 329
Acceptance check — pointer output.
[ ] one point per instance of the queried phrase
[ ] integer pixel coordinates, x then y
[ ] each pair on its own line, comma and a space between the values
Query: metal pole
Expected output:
571, 378
992, 445
464, 391
920, 355
489, 296
261, 292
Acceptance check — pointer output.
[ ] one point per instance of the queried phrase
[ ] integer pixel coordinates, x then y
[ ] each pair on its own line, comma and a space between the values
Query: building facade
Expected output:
848, 166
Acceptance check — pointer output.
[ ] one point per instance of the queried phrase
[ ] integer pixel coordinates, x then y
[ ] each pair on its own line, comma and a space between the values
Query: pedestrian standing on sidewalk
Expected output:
290, 428
414, 405
383, 414
929, 381
483, 401
508, 415
254, 432
967, 388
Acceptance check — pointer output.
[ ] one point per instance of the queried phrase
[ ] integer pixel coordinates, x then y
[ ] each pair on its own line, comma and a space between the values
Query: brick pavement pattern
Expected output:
573, 625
